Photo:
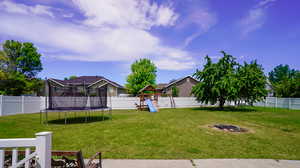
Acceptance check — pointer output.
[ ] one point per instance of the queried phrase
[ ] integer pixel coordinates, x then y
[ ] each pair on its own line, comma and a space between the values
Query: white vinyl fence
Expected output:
163, 102
42, 144
10, 105
289, 103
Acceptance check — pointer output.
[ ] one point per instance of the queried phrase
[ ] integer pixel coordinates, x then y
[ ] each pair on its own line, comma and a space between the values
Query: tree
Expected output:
175, 91
3, 63
226, 80
252, 82
22, 57
289, 87
143, 74
14, 84
71, 77
285, 81
217, 81
281, 73
19, 64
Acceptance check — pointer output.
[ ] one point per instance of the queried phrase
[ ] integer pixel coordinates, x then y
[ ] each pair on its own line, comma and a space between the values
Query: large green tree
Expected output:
226, 80
19, 64
14, 84
285, 81
22, 57
251, 82
281, 73
217, 81
143, 73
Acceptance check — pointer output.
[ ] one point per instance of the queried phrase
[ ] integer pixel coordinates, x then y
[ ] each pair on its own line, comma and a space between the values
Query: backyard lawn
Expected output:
170, 133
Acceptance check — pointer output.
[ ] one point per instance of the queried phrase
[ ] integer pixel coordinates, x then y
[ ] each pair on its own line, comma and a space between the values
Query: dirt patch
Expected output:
229, 128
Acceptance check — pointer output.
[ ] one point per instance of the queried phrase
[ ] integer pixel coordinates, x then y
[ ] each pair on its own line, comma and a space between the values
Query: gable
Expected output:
182, 81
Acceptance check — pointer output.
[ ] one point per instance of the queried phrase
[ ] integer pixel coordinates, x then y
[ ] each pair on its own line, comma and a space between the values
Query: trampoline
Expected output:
64, 96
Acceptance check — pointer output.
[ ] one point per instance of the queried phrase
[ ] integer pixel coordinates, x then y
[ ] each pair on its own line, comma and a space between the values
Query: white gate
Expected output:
42, 153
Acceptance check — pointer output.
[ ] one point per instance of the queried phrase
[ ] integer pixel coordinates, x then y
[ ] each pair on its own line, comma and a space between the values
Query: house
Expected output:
92, 82
184, 86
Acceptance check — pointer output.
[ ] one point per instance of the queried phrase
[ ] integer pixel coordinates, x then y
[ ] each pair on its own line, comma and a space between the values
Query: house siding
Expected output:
185, 87
111, 90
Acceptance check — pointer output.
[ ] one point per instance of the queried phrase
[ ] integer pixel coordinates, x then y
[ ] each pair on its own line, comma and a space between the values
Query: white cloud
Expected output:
253, 21
41, 10
202, 19
133, 13
125, 41
255, 18
264, 3
12, 7
171, 64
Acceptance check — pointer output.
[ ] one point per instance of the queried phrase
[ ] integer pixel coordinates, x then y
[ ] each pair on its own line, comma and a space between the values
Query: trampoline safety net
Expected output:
76, 97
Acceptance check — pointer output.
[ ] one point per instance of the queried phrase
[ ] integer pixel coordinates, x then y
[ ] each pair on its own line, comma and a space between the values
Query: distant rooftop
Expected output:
86, 80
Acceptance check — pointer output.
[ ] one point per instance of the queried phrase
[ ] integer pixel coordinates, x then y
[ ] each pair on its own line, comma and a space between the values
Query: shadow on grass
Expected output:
227, 109
79, 120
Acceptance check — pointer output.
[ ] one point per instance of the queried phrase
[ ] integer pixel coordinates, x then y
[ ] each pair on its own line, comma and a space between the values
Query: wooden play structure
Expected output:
148, 93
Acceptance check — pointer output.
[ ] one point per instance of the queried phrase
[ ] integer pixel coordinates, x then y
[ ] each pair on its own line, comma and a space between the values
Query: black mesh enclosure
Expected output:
100, 100
76, 97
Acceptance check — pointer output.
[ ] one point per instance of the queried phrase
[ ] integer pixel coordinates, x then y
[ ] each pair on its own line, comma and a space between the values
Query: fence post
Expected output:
1, 104
289, 103
22, 105
43, 149
275, 102
266, 102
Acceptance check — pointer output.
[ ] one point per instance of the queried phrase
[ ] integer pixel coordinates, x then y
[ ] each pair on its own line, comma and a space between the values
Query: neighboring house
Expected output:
184, 86
81, 82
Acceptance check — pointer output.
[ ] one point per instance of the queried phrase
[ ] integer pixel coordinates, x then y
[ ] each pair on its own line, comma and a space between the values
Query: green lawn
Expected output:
170, 133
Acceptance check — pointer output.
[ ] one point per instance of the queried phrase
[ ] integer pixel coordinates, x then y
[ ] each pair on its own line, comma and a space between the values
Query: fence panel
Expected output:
32, 104
289, 103
295, 103
164, 102
11, 105
181, 102
124, 102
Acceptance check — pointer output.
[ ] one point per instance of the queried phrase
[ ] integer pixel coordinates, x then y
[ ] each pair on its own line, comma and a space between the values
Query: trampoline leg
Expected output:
102, 115
110, 113
65, 118
46, 117
40, 116
85, 116
58, 115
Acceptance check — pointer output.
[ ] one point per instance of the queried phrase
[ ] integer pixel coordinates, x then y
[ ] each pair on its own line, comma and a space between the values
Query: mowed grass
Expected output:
170, 133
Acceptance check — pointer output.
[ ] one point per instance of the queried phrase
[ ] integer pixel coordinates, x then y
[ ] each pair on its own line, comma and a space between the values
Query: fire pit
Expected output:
229, 128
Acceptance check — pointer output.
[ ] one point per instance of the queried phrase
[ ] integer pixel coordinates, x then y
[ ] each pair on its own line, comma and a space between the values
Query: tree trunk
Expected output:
222, 102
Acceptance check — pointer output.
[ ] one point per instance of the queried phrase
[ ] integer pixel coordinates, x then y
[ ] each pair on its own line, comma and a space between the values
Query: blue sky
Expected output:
103, 37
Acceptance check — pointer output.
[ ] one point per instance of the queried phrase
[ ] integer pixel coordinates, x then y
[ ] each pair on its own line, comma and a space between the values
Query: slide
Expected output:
151, 106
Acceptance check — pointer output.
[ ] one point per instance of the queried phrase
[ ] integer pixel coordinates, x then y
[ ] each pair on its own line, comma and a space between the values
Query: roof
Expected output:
86, 80
161, 85
178, 80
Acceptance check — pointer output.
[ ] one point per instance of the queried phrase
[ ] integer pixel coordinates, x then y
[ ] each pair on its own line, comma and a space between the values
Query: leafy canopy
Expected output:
251, 82
226, 80
216, 81
22, 57
285, 81
19, 64
143, 73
